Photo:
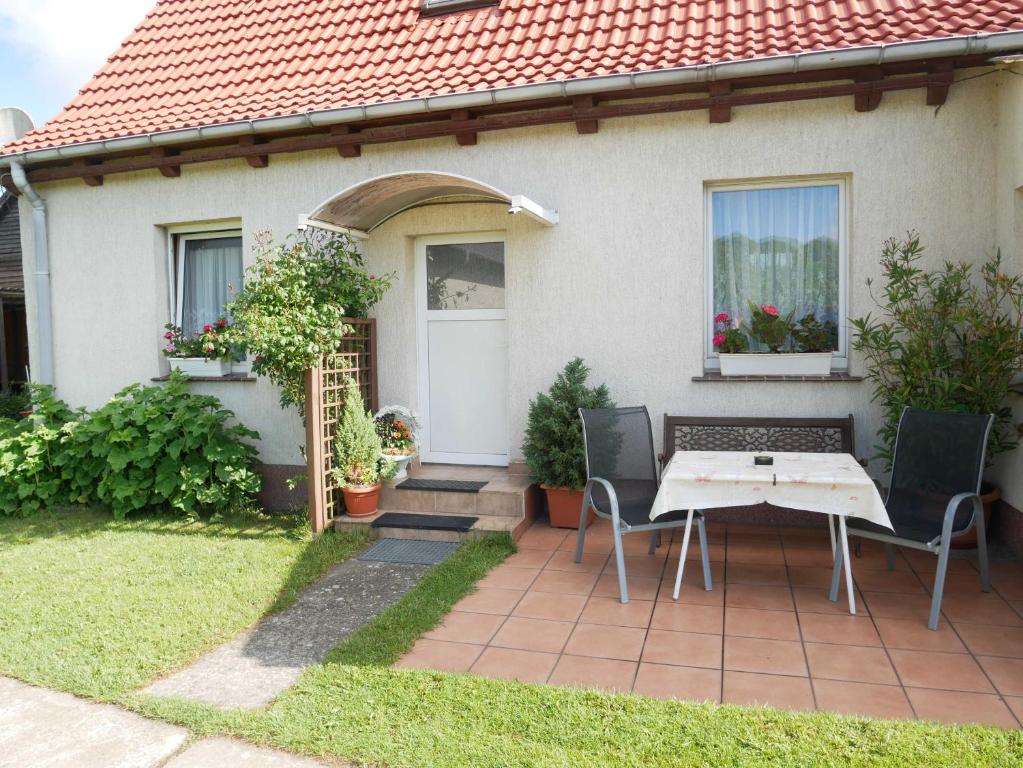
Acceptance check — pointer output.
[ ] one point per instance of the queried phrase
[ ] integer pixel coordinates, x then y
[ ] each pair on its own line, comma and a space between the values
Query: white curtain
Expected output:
777, 246
212, 274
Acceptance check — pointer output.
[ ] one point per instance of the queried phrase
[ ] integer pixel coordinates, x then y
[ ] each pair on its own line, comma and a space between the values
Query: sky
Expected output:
50, 48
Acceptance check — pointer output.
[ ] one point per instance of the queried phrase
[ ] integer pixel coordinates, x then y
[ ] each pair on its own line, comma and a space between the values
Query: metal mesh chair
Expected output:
935, 493
621, 483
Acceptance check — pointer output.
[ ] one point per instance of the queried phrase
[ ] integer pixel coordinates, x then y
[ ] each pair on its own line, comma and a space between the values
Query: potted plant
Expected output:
553, 446
944, 341
792, 349
398, 430
209, 352
357, 449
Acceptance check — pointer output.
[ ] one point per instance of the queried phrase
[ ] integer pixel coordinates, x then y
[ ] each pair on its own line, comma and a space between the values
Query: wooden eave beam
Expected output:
720, 109
86, 170
167, 167
255, 160
937, 92
583, 106
868, 100
461, 118
348, 140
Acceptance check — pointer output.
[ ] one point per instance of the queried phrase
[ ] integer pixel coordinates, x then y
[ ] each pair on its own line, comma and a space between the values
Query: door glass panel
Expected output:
465, 276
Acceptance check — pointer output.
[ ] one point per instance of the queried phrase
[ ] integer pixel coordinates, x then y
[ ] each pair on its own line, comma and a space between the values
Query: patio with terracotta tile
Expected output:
766, 634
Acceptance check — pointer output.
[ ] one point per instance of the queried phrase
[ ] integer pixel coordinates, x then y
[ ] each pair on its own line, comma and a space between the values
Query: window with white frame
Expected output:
208, 274
781, 243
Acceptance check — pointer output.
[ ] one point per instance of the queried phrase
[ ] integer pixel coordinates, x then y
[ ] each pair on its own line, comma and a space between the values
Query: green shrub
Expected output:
148, 448
357, 445
553, 447
12, 404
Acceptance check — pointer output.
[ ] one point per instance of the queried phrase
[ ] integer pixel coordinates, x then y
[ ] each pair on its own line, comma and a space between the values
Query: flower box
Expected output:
402, 460
771, 364
200, 366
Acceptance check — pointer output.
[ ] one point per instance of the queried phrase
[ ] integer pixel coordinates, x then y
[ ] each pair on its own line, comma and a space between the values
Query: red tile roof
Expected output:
205, 62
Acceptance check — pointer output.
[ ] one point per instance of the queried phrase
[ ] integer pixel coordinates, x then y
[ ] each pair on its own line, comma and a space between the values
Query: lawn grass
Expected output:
99, 607
355, 707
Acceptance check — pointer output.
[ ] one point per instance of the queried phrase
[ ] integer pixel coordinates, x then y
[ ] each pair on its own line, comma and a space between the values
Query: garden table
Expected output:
830, 483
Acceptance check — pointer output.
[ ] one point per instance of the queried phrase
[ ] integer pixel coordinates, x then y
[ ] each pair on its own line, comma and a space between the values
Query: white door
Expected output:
463, 349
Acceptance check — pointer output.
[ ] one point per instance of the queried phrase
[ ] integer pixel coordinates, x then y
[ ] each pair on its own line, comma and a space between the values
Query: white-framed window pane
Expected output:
465, 276
780, 246
210, 273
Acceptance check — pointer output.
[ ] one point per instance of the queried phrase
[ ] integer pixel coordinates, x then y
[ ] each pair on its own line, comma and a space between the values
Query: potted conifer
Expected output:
553, 447
357, 449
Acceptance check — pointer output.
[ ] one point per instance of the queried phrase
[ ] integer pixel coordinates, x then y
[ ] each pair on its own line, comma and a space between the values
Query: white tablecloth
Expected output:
831, 483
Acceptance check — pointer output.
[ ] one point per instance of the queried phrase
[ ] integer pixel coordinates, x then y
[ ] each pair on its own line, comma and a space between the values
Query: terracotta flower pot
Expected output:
361, 500
989, 494
564, 505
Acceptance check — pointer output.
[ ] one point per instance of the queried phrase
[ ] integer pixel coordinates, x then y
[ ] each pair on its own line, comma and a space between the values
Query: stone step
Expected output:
502, 497
516, 526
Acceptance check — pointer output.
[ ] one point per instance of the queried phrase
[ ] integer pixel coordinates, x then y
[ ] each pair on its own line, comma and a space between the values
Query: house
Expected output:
653, 154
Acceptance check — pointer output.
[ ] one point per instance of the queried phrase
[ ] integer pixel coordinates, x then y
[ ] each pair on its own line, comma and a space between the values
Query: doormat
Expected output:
454, 486
410, 551
457, 523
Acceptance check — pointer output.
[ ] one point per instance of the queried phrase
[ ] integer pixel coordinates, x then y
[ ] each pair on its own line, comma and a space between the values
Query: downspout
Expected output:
42, 368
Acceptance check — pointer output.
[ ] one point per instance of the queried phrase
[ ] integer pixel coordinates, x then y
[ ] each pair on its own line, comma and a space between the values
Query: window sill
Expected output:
231, 378
838, 377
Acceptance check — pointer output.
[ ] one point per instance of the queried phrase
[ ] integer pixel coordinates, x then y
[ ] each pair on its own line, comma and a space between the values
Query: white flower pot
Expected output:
200, 366
780, 364
402, 462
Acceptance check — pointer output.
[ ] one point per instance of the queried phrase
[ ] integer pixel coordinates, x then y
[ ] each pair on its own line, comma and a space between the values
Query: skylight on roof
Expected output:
440, 7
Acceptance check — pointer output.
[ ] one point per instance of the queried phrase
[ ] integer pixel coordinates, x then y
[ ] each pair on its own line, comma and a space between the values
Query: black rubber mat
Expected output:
455, 486
409, 551
458, 523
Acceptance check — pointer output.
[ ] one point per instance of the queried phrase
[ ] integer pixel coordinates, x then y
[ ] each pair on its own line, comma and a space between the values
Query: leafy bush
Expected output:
767, 326
943, 341
12, 404
811, 335
294, 301
553, 447
148, 448
357, 445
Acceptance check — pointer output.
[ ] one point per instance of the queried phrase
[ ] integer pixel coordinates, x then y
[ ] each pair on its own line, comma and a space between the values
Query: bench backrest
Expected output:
714, 433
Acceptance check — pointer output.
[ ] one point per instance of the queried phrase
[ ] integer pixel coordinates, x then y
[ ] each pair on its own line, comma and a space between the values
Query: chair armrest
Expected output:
611, 495
953, 507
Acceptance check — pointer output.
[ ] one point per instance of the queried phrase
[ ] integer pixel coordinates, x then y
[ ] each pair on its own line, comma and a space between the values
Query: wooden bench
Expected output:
727, 433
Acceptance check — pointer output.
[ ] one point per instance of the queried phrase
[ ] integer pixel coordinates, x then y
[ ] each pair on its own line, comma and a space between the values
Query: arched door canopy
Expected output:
363, 207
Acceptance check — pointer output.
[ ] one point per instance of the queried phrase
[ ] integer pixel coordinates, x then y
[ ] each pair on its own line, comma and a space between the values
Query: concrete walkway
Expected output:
45, 729
254, 668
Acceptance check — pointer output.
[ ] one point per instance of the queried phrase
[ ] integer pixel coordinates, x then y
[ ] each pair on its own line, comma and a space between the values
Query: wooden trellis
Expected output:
324, 387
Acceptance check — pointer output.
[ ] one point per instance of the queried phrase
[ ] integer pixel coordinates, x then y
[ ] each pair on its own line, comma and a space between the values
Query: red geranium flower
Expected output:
207, 328
721, 317
770, 309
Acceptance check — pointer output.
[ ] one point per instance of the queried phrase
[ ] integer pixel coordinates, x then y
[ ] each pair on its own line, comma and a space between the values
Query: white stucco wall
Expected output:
620, 281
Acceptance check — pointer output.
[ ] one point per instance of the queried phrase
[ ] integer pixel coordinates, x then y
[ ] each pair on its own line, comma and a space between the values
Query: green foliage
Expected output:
12, 404
147, 448
217, 341
811, 335
553, 446
943, 341
357, 445
294, 301
768, 326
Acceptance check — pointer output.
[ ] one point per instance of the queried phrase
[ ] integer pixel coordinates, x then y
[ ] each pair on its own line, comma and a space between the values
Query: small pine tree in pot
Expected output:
553, 447
357, 460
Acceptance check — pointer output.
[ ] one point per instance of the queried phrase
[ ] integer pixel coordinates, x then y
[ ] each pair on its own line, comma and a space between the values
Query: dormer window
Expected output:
441, 7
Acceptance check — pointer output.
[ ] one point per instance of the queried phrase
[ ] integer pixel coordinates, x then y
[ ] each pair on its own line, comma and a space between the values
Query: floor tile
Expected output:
1007, 579
565, 561
750, 688
945, 671
753, 622
645, 566
850, 662
528, 558
987, 640
863, 699
887, 605
490, 600
805, 576
639, 588
838, 628
815, 600
512, 664
548, 605
682, 648
1006, 674
693, 591
815, 556
756, 573
594, 543
540, 536
715, 553
688, 618
960, 707
755, 596
764, 554
684, 683
776, 657
533, 634
610, 610
900, 582
913, 635
440, 655
980, 608
466, 627
565, 582
606, 642
1015, 703
585, 672
509, 577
